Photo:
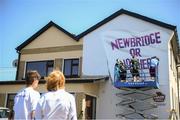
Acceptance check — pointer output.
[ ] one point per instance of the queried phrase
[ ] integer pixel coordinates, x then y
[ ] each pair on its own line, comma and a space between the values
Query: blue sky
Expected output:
20, 19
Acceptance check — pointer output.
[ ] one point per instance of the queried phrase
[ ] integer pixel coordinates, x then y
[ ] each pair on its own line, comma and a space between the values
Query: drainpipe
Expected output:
177, 66
17, 71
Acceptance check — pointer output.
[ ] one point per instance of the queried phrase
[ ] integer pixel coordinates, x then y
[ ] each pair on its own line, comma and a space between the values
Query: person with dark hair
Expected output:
123, 71
26, 99
134, 68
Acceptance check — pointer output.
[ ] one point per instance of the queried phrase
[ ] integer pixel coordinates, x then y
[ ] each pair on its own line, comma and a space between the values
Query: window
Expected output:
43, 67
71, 67
10, 100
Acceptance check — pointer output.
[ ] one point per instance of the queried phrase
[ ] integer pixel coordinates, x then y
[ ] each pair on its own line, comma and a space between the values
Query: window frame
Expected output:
78, 65
8, 100
42, 77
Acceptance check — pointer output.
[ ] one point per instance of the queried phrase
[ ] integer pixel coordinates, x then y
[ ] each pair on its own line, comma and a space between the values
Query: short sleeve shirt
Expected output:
56, 105
25, 102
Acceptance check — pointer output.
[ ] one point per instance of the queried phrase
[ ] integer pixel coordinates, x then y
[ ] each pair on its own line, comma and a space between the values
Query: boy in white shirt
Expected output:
56, 103
26, 100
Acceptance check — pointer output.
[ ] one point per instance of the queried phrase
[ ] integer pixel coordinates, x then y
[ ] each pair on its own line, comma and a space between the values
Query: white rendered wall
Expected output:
173, 80
95, 62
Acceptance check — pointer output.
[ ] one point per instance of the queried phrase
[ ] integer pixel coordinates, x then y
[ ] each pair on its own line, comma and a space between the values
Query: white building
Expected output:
55, 46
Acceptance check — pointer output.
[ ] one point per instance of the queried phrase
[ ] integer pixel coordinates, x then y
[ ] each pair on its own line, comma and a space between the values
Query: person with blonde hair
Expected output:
26, 99
56, 103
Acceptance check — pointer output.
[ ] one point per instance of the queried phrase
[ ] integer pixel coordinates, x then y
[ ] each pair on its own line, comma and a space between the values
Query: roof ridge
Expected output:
43, 29
133, 14
97, 25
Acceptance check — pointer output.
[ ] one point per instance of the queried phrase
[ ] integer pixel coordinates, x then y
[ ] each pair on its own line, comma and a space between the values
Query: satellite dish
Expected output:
15, 63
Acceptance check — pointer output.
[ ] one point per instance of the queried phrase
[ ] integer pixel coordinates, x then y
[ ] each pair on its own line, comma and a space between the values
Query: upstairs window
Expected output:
43, 67
71, 67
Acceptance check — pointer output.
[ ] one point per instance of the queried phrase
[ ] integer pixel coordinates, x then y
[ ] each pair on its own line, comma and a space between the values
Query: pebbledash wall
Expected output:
54, 43
95, 63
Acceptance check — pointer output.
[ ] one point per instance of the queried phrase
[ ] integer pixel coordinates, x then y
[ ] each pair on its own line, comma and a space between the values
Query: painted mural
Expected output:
130, 60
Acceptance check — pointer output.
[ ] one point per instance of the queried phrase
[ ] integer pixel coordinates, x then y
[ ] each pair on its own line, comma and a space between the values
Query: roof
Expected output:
76, 38
50, 24
122, 11
92, 79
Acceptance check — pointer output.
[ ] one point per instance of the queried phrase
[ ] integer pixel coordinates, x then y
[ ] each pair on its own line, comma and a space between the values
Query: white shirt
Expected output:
154, 62
56, 105
25, 102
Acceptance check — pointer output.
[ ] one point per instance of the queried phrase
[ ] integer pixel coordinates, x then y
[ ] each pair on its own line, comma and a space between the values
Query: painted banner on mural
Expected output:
130, 60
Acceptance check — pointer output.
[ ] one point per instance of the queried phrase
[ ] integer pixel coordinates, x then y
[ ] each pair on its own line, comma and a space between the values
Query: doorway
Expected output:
90, 109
